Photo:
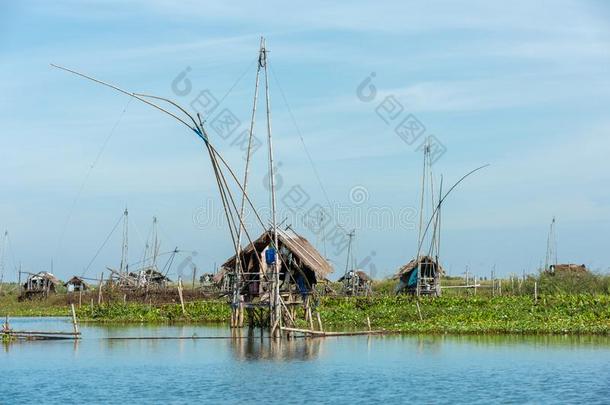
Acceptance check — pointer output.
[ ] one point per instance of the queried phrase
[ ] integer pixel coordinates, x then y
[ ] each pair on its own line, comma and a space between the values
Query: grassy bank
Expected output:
556, 314
573, 314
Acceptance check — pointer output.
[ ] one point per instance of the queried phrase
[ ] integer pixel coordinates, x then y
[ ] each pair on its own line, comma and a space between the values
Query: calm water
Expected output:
338, 370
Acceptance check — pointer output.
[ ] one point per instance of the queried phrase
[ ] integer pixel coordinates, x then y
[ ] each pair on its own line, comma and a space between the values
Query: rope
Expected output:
309, 158
237, 81
91, 167
103, 244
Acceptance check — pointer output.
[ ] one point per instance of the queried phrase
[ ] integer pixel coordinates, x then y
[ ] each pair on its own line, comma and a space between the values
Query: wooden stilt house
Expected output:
39, 285
76, 284
429, 274
301, 266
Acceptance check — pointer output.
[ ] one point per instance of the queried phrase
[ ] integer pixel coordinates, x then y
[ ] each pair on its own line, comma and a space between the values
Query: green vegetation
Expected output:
197, 311
55, 305
519, 314
568, 303
572, 283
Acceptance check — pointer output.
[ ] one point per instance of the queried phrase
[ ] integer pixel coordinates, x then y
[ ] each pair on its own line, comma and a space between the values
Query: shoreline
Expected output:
581, 314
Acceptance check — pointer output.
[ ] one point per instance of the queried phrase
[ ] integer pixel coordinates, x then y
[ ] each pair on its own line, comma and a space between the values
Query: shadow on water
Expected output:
253, 345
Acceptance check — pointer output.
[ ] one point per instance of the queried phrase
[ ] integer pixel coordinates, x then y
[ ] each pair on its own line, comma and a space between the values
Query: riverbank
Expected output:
552, 314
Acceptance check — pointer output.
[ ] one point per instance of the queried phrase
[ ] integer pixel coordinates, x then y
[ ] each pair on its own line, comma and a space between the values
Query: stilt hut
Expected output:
568, 268
430, 277
356, 282
150, 277
206, 280
39, 285
76, 284
301, 266
223, 280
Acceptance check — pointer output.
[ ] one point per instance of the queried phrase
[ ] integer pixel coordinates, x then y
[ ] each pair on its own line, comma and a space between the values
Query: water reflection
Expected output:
434, 342
253, 345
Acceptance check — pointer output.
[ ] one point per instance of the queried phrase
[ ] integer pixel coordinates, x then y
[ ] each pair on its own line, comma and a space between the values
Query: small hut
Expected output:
301, 266
39, 285
149, 277
76, 284
356, 282
223, 279
568, 268
207, 283
430, 277
206, 280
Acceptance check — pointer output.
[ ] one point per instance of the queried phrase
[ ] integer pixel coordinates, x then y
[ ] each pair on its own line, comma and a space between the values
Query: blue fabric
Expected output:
413, 278
270, 256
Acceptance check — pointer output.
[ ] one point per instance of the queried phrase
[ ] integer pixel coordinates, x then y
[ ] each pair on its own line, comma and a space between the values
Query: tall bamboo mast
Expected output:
3, 254
275, 296
238, 269
155, 242
124, 267
551, 247
421, 234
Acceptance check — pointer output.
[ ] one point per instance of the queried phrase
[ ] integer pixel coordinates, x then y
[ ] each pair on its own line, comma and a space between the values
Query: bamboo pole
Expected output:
241, 314
74, 322
322, 334
310, 317
180, 295
99, 290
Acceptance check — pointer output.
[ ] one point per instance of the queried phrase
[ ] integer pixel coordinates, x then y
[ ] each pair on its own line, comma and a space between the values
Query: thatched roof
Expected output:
44, 275
76, 281
361, 275
424, 260
217, 278
152, 274
296, 244
569, 267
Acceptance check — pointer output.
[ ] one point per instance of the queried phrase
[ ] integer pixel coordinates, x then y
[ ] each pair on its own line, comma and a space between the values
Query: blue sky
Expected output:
522, 86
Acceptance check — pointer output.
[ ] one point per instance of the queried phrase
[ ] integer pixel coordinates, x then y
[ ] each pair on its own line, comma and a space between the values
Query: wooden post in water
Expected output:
74, 323
194, 275
241, 312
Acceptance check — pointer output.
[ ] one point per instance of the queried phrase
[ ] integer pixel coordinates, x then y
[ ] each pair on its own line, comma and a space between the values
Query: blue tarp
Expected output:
413, 278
